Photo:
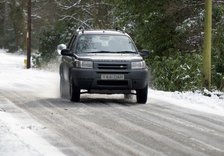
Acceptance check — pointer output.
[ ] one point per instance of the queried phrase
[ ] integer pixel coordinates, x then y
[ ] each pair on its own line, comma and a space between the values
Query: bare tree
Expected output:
89, 13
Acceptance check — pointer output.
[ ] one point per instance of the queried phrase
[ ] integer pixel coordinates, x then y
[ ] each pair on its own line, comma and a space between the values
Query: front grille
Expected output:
112, 83
113, 66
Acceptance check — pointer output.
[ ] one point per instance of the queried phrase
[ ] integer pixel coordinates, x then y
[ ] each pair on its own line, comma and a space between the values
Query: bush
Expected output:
218, 55
49, 39
179, 72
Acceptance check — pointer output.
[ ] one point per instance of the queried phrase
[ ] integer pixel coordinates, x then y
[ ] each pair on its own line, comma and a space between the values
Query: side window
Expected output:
71, 42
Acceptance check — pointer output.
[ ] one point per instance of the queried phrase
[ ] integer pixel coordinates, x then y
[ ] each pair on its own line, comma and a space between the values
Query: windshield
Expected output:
105, 44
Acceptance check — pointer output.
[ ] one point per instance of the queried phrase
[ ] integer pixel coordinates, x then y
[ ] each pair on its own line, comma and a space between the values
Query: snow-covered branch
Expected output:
67, 7
69, 17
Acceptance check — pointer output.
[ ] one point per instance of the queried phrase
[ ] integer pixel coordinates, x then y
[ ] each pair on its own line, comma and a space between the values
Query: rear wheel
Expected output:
74, 92
141, 95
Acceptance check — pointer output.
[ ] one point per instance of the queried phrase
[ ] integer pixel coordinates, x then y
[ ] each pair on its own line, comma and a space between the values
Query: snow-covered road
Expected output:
35, 121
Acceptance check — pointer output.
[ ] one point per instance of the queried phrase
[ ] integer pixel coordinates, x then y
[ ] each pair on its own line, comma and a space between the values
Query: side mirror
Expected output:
66, 52
144, 53
60, 47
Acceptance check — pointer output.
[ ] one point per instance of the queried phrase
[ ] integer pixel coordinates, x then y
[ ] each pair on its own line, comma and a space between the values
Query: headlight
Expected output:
138, 65
84, 64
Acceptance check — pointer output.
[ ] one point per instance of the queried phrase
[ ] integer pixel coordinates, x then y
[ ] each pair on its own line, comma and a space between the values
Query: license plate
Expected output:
112, 77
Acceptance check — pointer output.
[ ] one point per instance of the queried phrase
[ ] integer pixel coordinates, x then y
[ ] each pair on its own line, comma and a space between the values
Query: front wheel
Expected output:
74, 92
142, 94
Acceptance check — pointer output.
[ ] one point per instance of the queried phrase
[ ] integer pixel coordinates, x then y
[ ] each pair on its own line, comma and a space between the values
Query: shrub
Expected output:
49, 39
176, 72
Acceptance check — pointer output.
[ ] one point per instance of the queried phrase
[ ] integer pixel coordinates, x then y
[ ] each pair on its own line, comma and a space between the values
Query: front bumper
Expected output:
90, 80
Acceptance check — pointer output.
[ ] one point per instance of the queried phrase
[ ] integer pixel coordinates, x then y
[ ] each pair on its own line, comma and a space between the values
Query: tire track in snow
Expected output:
99, 137
115, 123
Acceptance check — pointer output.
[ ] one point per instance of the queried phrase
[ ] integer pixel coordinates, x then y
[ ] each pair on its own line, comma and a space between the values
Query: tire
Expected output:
74, 92
62, 88
142, 95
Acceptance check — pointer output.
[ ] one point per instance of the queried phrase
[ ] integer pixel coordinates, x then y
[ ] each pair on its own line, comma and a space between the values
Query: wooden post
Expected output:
207, 45
28, 35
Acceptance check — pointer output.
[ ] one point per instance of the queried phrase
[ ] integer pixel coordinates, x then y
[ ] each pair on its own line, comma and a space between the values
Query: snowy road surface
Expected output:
35, 121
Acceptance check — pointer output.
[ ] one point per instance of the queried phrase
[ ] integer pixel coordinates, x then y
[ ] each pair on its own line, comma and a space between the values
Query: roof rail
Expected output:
120, 29
80, 29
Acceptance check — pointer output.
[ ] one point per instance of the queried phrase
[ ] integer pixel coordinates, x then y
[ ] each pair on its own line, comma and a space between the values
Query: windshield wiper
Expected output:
125, 52
102, 51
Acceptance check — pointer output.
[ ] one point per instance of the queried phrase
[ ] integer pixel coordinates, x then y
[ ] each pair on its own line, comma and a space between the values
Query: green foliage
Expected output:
176, 72
218, 48
154, 24
49, 39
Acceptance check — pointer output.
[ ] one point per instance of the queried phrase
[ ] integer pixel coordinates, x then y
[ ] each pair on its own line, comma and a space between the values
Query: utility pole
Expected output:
28, 38
207, 45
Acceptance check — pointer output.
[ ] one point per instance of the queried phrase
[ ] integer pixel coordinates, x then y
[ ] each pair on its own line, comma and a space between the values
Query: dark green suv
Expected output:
102, 61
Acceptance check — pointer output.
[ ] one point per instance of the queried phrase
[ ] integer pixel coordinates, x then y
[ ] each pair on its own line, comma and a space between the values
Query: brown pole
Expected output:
29, 35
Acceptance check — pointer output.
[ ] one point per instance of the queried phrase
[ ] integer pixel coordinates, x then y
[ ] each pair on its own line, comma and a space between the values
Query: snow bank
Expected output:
192, 100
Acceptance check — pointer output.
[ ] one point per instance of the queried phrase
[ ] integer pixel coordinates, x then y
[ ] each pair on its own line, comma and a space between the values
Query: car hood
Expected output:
110, 57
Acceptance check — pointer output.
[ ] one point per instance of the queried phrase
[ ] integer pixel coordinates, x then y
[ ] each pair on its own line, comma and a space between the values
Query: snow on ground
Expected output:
14, 77
196, 101
18, 130
18, 135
